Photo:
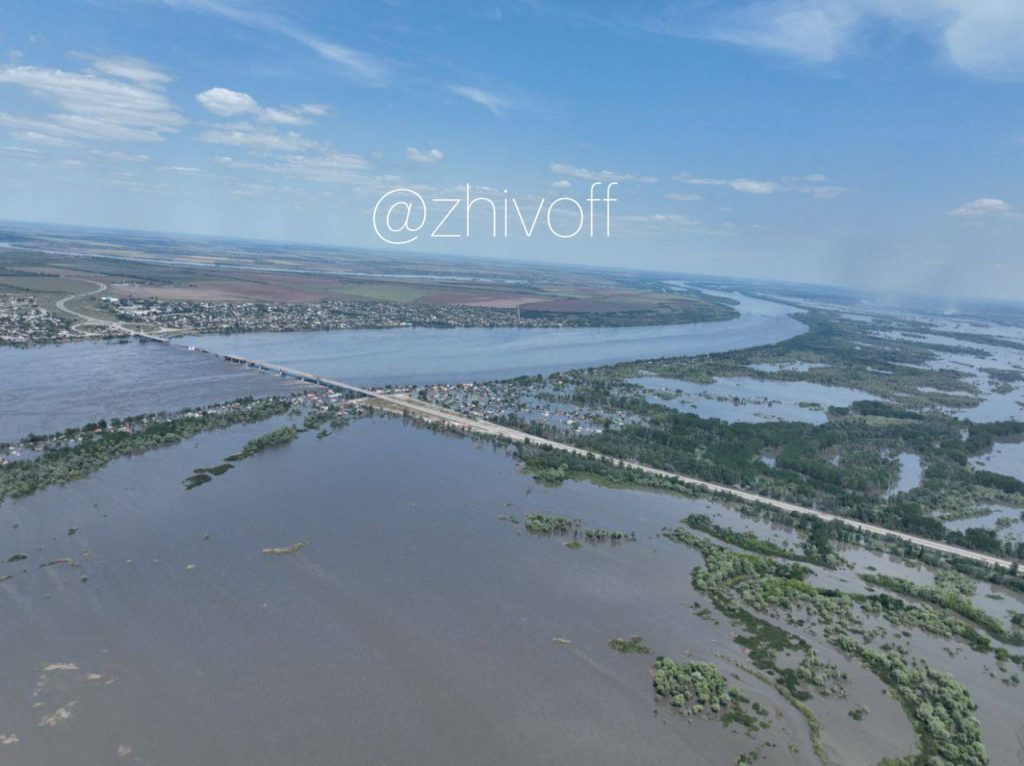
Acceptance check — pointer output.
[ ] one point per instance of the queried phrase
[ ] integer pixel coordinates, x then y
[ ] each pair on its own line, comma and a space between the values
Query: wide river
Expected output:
49, 388
423, 355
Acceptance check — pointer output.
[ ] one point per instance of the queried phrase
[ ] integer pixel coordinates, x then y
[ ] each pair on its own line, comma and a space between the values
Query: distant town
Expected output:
24, 322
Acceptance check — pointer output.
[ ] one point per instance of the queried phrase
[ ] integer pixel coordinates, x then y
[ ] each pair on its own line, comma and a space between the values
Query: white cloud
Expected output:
92, 106
35, 137
136, 70
329, 167
250, 136
316, 110
822, 191
292, 115
979, 36
562, 184
816, 31
683, 197
984, 207
359, 66
604, 176
225, 102
488, 99
426, 158
661, 220
809, 184
745, 185
116, 156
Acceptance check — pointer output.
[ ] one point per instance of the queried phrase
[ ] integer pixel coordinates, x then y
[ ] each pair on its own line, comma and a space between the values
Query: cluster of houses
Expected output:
24, 322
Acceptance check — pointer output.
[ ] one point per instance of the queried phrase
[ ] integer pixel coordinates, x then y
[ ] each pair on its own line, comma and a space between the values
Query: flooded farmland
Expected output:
417, 618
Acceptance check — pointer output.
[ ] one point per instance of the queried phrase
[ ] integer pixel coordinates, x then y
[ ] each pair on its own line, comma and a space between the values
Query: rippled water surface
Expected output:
49, 388
423, 355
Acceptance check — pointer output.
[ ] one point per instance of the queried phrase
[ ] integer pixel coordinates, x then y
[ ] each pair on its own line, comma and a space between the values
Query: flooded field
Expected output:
445, 633
1004, 458
373, 597
1002, 518
412, 608
750, 400
911, 472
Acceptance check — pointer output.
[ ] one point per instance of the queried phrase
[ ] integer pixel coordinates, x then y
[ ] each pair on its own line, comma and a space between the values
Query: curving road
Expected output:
62, 304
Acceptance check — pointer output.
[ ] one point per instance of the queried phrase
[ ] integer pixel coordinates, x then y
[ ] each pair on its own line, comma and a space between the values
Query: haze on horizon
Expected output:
871, 144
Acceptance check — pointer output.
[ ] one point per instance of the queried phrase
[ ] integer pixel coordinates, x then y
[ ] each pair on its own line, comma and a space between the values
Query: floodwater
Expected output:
49, 388
45, 389
999, 517
415, 627
997, 700
414, 355
911, 471
751, 400
1005, 458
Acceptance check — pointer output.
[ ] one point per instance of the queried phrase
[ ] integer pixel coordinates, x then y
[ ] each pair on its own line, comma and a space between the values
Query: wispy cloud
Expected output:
35, 137
745, 185
248, 136
661, 220
360, 66
485, 98
603, 176
328, 167
116, 156
979, 36
129, 68
424, 158
129, 106
231, 103
810, 184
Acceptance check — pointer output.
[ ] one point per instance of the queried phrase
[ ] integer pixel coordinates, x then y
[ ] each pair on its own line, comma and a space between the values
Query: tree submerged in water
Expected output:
692, 687
634, 645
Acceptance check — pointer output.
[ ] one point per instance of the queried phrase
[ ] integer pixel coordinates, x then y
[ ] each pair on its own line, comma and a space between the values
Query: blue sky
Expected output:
874, 143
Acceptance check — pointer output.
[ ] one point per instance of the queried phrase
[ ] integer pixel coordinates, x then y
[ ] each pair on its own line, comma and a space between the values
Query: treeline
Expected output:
276, 438
817, 546
839, 466
950, 599
940, 708
95, 449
